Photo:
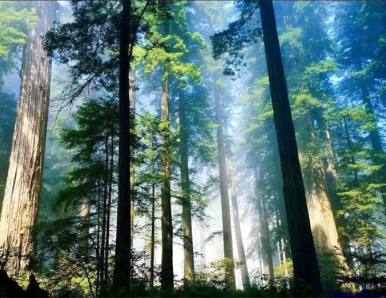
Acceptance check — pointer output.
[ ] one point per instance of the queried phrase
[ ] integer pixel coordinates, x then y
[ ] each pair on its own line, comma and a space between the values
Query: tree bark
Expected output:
122, 267
167, 226
306, 271
24, 180
239, 239
226, 218
186, 203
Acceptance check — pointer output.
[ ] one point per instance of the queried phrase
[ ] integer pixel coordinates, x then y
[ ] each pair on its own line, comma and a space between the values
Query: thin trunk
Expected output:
132, 163
379, 156
350, 147
306, 270
266, 249
24, 180
85, 215
104, 215
167, 226
122, 267
226, 217
152, 237
111, 172
238, 235
186, 203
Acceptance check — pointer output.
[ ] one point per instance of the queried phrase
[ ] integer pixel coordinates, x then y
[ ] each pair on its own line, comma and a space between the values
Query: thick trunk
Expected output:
238, 235
226, 217
306, 271
123, 238
167, 226
185, 187
324, 230
24, 180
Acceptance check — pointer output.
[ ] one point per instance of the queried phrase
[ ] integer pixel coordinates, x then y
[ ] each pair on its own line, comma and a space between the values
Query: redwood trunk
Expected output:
239, 238
166, 223
123, 237
226, 217
186, 203
24, 180
306, 271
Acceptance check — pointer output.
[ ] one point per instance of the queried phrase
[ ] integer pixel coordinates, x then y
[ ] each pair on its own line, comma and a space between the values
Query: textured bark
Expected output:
306, 271
24, 180
166, 226
239, 239
226, 217
185, 188
325, 232
123, 237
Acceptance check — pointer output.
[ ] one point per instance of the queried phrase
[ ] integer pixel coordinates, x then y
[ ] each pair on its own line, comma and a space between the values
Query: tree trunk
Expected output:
238, 235
306, 271
167, 226
186, 203
324, 230
226, 217
122, 267
132, 90
24, 180
266, 248
109, 202
152, 236
376, 143
85, 215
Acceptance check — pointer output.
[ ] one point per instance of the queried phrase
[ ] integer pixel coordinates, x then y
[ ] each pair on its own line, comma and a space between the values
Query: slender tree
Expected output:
237, 228
225, 208
167, 226
185, 187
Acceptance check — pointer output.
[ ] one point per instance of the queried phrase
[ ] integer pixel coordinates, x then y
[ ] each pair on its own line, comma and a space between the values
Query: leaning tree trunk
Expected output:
239, 238
24, 180
185, 187
306, 271
166, 222
226, 217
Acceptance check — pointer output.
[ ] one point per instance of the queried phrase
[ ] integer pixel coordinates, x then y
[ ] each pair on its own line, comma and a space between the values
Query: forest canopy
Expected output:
192, 148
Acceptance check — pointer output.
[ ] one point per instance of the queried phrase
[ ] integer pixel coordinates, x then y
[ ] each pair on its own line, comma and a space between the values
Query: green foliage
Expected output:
15, 20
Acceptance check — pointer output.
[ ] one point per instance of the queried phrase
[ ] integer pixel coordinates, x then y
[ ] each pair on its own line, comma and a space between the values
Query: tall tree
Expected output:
123, 236
21, 198
167, 226
237, 228
225, 208
306, 268
185, 187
